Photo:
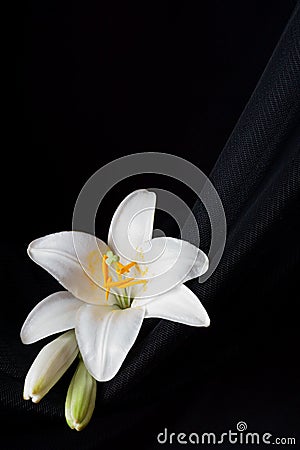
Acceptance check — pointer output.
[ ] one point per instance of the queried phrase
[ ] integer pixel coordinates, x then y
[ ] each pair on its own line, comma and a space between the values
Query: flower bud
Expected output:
49, 366
81, 397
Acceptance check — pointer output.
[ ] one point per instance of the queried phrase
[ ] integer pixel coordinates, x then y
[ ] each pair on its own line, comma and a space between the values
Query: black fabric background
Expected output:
91, 83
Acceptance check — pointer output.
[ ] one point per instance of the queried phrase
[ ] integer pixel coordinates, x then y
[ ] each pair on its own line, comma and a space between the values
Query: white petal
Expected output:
75, 260
132, 224
173, 262
179, 305
105, 336
49, 366
52, 315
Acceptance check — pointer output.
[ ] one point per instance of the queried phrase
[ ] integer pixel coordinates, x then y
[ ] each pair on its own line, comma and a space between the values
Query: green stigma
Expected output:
111, 258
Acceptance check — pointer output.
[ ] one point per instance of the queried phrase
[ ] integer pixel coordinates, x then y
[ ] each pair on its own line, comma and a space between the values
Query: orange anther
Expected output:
126, 268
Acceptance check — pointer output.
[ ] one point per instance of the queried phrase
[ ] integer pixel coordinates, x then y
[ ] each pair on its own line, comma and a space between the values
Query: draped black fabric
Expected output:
245, 366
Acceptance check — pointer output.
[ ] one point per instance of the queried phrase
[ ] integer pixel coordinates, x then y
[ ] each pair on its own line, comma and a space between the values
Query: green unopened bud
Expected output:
81, 397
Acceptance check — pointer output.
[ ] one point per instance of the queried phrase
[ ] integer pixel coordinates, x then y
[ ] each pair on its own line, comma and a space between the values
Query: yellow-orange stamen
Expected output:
107, 286
126, 283
126, 268
122, 283
119, 283
105, 269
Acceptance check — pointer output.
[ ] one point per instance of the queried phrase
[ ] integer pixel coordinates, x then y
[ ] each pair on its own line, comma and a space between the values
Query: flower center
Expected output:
109, 260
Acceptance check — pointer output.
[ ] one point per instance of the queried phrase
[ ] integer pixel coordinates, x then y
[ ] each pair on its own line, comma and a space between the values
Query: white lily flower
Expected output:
113, 288
49, 366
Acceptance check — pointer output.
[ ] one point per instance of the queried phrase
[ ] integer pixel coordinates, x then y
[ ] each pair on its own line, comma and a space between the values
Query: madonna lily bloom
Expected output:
112, 288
